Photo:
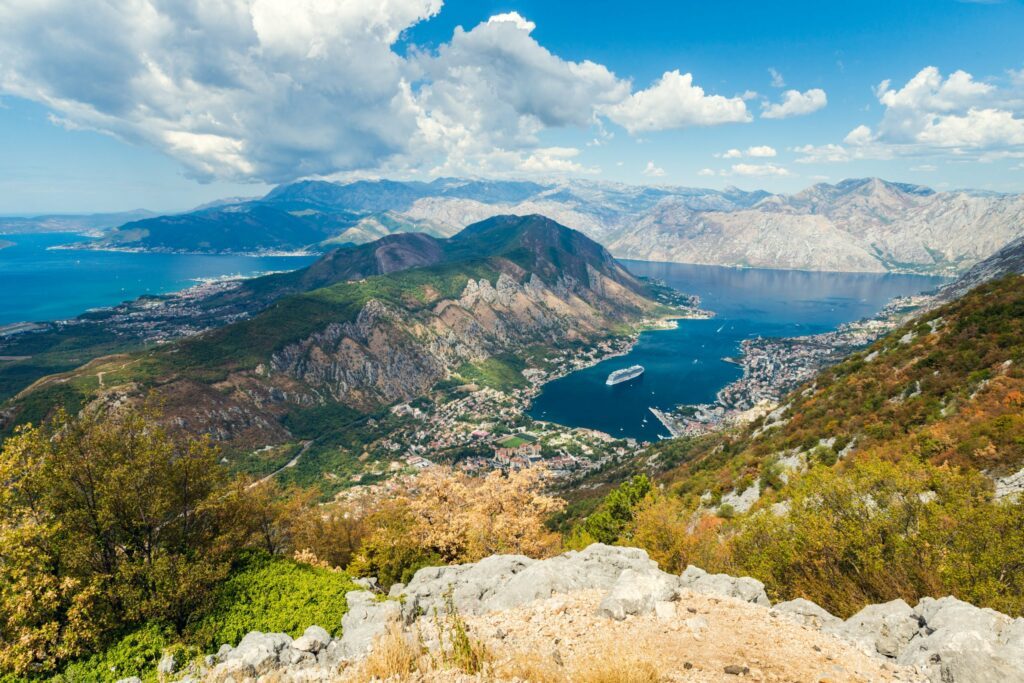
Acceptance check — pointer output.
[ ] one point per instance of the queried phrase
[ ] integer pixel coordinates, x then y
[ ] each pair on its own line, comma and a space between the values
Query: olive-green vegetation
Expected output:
119, 540
502, 372
272, 595
892, 501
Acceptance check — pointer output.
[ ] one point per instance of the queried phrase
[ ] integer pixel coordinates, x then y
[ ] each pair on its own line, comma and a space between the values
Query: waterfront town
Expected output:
774, 366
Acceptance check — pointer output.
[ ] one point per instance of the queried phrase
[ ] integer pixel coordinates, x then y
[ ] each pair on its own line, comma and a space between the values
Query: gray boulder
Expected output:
468, 585
312, 640
366, 619
638, 592
167, 665
130, 679
743, 588
960, 642
504, 582
257, 654
806, 612
883, 629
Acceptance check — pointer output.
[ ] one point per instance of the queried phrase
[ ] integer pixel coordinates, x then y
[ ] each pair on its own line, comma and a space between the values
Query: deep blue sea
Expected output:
685, 365
37, 283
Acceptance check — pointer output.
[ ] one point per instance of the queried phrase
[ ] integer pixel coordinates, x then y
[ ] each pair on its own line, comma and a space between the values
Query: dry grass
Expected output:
614, 670
529, 666
393, 657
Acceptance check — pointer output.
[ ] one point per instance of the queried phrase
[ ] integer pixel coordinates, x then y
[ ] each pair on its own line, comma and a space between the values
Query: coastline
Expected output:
184, 252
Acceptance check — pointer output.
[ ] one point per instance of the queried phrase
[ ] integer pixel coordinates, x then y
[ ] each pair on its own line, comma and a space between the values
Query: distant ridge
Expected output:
855, 225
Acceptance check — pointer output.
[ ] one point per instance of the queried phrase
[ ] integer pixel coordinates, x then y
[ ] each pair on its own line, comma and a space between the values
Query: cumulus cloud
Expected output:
758, 170
761, 151
496, 88
653, 171
706, 172
757, 151
240, 88
935, 114
795, 103
272, 90
777, 80
675, 102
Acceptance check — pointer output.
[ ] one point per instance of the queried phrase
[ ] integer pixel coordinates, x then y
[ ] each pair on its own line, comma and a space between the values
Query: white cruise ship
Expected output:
624, 375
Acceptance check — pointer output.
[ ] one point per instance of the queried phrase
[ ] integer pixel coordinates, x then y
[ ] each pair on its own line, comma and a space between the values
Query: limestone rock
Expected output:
366, 619
744, 588
638, 593
806, 612
884, 629
312, 640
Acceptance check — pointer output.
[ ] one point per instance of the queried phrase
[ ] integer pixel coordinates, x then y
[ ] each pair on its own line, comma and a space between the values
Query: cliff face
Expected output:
389, 354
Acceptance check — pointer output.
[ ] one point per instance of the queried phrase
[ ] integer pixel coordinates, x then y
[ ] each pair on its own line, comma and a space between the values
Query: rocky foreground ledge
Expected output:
607, 603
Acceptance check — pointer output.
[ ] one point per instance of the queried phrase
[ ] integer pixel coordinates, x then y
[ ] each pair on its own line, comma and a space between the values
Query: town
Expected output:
774, 366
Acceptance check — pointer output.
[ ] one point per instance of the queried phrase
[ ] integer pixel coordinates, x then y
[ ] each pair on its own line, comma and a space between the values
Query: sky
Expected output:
160, 104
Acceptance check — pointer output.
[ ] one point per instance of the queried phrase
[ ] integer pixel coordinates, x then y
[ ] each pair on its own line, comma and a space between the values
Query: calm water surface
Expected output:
685, 365
37, 283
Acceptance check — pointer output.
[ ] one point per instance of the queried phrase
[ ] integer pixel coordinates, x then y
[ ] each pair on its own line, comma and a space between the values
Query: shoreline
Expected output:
185, 252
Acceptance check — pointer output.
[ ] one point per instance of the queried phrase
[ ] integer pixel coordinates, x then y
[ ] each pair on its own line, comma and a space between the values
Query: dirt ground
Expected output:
701, 638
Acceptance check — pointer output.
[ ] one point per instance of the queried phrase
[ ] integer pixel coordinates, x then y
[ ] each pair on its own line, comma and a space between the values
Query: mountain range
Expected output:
859, 225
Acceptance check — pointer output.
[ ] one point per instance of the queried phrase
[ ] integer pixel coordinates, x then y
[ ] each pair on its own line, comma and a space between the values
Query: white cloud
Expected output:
490, 91
795, 103
956, 114
817, 154
675, 102
758, 170
706, 172
653, 171
761, 151
757, 151
272, 90
926, 168
777, 80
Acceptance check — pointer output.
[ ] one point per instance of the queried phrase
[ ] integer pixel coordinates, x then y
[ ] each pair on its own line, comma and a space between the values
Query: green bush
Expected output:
272, 595
614, 514
136, 654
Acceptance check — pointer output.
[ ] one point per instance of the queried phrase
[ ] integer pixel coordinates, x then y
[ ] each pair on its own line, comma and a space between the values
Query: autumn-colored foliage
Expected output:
447, 517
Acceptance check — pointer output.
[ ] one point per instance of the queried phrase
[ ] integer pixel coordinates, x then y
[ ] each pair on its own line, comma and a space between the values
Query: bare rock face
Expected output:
390, 354
885, 629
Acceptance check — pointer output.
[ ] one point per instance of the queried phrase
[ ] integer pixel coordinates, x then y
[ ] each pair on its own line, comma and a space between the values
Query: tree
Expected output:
449, 517
106, 520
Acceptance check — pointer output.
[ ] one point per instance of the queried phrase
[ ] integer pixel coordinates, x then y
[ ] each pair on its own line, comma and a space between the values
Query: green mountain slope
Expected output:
366, 326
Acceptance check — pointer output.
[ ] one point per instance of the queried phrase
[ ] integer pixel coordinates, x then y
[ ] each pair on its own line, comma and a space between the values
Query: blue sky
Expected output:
191, 105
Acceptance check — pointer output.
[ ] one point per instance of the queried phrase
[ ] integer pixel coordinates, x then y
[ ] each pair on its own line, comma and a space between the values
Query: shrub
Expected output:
136, 654
272, 594
612, 517
450, 517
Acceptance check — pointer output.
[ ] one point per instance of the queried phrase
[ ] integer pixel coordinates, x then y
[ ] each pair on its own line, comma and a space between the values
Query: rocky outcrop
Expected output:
943, 641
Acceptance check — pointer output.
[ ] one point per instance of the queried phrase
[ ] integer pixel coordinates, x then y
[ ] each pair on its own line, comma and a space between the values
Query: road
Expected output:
291, 463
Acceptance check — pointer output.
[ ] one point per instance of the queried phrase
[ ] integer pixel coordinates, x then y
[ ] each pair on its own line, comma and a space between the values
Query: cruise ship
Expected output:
624, 375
